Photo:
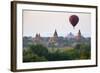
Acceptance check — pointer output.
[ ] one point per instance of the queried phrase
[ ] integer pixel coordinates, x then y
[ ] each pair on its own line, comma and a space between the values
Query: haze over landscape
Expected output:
49, 36
45, 23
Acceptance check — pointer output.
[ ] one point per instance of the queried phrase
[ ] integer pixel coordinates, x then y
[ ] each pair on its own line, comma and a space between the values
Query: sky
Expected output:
46, 22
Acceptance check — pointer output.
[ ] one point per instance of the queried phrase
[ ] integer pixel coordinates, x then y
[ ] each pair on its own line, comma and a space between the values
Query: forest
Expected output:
39, 53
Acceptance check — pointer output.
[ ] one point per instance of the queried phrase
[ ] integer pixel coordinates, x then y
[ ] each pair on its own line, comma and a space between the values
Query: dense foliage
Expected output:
36, 53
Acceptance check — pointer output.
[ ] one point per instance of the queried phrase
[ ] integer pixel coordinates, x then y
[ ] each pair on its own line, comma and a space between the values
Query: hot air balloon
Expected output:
74, 20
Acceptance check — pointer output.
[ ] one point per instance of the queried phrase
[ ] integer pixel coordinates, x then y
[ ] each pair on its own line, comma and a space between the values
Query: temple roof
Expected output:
55, 33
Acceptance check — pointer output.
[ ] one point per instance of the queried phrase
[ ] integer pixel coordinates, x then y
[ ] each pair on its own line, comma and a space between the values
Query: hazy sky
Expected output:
45, 23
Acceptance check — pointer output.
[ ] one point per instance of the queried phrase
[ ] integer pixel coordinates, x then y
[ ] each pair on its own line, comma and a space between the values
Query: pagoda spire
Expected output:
79, 35
55, 33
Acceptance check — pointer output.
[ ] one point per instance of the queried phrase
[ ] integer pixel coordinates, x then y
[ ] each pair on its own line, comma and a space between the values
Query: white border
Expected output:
21, 65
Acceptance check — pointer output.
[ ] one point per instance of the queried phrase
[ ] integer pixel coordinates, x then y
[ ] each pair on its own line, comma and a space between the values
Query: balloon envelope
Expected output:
73, 20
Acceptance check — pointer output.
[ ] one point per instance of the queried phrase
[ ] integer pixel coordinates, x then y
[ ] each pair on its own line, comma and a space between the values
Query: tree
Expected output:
39, 49
83, 50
